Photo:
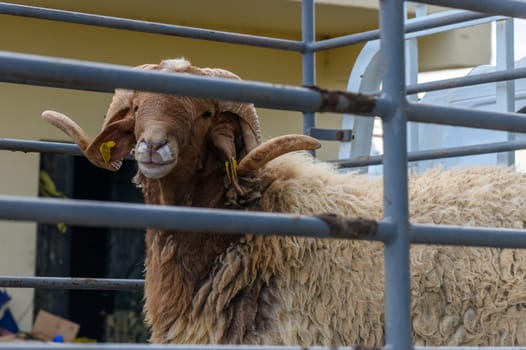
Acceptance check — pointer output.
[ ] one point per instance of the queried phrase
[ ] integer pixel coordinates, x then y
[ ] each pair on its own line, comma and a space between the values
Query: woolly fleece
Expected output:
289, 290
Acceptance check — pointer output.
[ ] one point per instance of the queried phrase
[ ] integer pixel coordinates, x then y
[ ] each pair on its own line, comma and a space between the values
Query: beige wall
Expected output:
436, 50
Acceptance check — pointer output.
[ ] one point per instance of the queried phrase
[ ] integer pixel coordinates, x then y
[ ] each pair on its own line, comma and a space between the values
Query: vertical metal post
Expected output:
308, 56
411, 75
397, 284
505, 90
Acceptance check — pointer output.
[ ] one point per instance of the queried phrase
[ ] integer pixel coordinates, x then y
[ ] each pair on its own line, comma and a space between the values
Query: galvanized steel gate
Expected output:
391, 105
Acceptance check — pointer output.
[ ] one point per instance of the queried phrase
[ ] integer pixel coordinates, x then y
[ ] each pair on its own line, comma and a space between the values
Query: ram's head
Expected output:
168, 131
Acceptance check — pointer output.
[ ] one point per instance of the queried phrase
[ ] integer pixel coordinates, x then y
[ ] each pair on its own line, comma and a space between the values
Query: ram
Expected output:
206, 288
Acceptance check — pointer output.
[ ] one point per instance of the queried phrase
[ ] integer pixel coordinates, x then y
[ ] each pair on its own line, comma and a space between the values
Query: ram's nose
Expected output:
157, 152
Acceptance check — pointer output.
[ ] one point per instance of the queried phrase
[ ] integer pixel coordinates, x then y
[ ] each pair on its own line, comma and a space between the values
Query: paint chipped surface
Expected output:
344, 101
350, 227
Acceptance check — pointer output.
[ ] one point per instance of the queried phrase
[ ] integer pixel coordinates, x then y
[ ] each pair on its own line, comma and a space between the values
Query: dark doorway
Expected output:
74, 251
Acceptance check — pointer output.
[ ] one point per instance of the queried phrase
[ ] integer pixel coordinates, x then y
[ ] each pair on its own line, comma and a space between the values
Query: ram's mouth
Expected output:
155, 170
155, 161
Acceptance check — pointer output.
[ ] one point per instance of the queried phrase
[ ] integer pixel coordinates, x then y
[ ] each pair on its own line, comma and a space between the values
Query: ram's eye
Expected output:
135, 109
206, 114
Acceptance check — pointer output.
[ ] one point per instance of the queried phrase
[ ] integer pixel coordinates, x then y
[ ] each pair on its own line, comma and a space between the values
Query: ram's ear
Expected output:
112, 144
223, 137
227, 137
244, 112
116, 138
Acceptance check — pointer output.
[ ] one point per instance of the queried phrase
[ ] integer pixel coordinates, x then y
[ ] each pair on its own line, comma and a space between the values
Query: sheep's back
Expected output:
469, 295
332, 290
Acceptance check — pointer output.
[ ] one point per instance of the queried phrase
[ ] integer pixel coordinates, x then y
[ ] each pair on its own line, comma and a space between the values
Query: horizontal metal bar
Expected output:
29, 146
470, 347
412, 26
74, 74
474, 118
510, 8
453, 26
72, 283
468, 236
342, 135
149, 27
125, 346
39, 146
449, 152
468, 80
186, 219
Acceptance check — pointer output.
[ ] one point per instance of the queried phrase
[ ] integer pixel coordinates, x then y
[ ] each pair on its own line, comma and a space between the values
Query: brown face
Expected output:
164, 126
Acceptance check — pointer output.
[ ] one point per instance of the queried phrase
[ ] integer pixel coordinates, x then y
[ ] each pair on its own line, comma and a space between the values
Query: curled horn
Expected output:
274, 148
69, 127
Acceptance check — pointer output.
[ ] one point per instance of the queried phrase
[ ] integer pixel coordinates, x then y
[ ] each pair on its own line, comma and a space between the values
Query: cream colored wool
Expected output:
330, 292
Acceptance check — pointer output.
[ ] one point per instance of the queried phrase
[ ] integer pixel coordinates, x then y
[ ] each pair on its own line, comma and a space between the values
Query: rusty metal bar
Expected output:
84, 75
174, 218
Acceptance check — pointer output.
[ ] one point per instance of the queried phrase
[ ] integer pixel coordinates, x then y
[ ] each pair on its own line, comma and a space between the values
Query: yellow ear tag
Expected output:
231, 175
227, 169
105, 150
234, 167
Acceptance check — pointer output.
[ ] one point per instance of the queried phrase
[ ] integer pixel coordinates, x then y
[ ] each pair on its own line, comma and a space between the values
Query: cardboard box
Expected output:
7, 337
47, 326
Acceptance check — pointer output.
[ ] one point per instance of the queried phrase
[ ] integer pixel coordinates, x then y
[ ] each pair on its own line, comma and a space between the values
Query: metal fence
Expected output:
390, 104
